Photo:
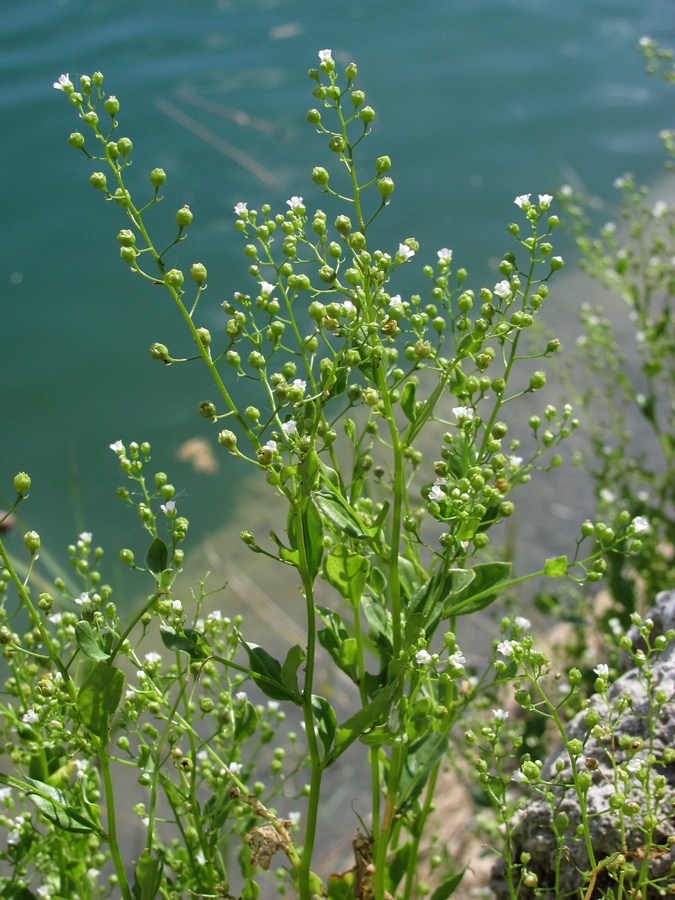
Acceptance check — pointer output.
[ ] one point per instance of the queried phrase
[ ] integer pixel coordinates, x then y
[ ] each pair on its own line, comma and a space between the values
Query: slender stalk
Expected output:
104, 762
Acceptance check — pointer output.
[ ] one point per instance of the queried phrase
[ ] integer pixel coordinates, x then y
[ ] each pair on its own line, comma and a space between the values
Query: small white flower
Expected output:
241, 696
266, 288
81, 599
522, 200
463, 414
566, 190
273, 705
270, 445
348, 307
14, 836
117, 447
63, 82
607, 496
500, 714
396, 301
502, 289
289, 428
519, 777
5, 794
545, 201
660, 209
296, 203
85, 537
635, 766
522, 624
153, 657
436, 493
457, 659
299, 384
294, 817
215, 616
641, 525
235, 767
325, 55
516, 461
405, 252
177, 607
240, 208
506, 648
30, 717
422, 658
168, 508
601, 670
445, 255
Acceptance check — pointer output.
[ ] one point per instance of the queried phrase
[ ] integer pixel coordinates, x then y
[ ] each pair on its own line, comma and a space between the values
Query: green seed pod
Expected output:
227, 439
357, 97
256, 360
157, 177
207, 409
98, 180
537, 380
31, 541
184, 217
204, 337
198, 273
174, 278
159, 352
382, 164
91, 119
252, 413
313, 116
557, 263
367, 115
112, 105
385, 186
337, 144
320, 175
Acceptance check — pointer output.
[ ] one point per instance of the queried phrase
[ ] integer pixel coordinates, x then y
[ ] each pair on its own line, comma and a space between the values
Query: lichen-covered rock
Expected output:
534, 832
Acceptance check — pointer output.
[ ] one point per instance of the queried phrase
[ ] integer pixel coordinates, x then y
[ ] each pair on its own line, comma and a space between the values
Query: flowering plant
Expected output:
381, 422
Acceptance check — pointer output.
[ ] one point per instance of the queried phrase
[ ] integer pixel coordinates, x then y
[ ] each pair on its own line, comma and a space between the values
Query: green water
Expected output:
477, 102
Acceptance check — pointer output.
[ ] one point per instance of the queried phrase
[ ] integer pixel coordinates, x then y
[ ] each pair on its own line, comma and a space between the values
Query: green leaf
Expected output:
267, 674
191, 642
556, 567
326, 721
99, 697
347, 572
338, 514
461, 454
52, 804
87, 641
448, 886
157, 557
489, 581
432, 598
333, 639
364, 719
289, 671
422, 756
341, 887
148, 876
245, 722
408, 400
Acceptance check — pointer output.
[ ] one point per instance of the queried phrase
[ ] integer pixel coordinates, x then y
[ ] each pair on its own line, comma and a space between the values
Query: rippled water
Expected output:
476, 103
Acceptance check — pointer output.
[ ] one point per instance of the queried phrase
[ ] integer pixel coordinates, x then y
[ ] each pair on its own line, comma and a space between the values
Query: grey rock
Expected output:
533, 832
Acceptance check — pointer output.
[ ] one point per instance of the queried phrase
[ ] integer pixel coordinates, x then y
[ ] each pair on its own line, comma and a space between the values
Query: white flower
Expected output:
240, 208
522, 623
235, 767
601, 670
5, 794
445, 255
436, 493
266, 288
660, 209
506, 648
635, 766
607, 496
325, 55
273, 705
641, 525
422, 658
289, 427
463, 414
405, 252
348, 307
294, 817
117, 447
500, 714
14, 836
296, 203
81, 599
153, 657
270, 445
177, 606
516, 461
396, 301
299, 384
241, 696
168, 508
63, 83
502, 289
566, 190
85, 537
545, 201
30, 717
522, 200
457, 659
519, 777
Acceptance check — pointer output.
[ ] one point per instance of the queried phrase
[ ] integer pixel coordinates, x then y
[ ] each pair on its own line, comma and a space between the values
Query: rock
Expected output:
533, 832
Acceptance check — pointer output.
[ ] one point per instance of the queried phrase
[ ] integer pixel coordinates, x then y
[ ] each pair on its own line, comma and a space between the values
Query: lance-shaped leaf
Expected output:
326, 721
267, 674
338, 514
148, 876
88, 641
53, 805
157, 557
490, 580
99, 697
190, 641
347, 572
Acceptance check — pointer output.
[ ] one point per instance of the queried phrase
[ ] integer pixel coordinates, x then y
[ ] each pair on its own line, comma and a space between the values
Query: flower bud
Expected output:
198, 273
537, 380
337, 144
227, 439
76, 140
90, 118
252, 413
125, 146
343, 225
112, 105
382, 164
174, 278
367, 115
129, 254
204, 337
556, 263
313, 116
184, 217
207, 409
385, 186
159, 352
351, 71
264, 455
157, 177
22, 483
126, 237
98, 180
320, 175
31, 541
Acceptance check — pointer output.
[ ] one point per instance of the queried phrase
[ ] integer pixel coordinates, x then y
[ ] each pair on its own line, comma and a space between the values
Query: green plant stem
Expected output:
104, 762
420, 824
